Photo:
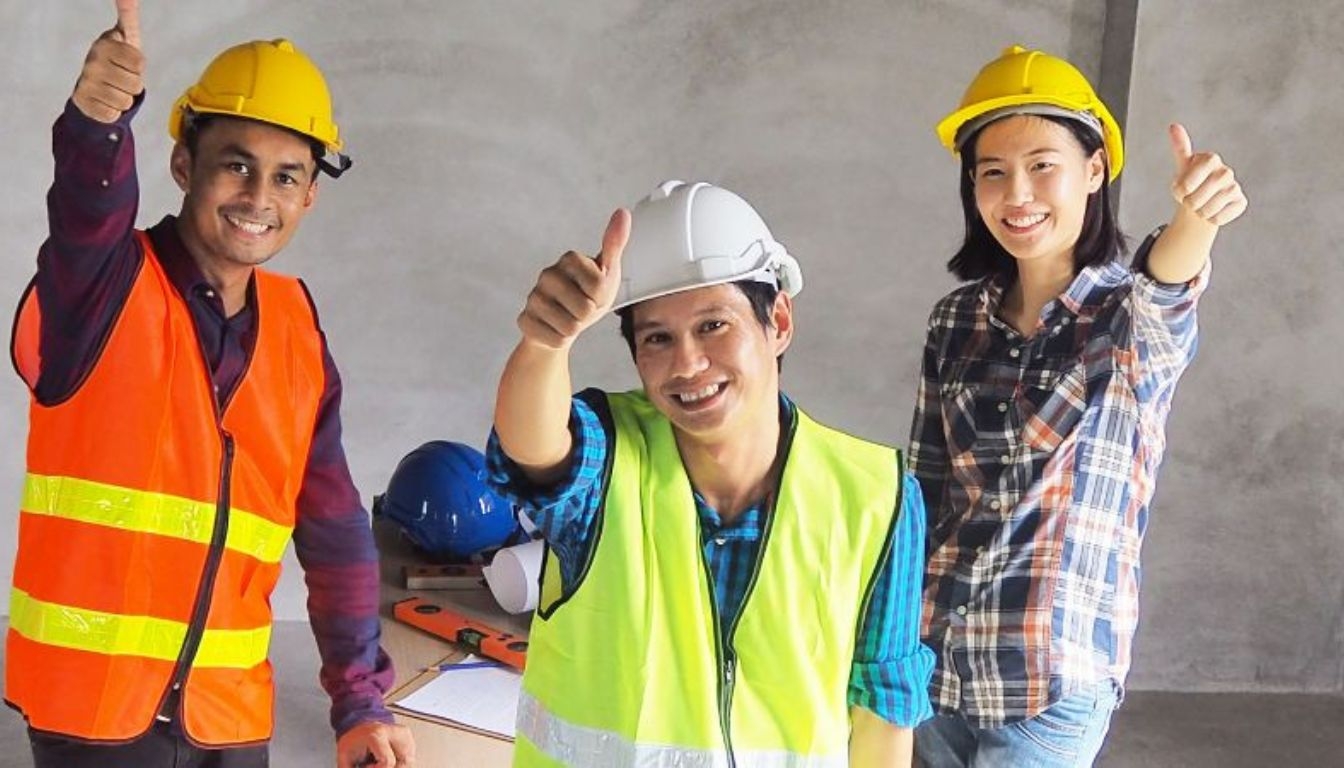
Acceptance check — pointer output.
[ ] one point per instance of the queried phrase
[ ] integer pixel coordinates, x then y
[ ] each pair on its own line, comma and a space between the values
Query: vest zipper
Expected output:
172, 698
726, 704
724, 647
200, 611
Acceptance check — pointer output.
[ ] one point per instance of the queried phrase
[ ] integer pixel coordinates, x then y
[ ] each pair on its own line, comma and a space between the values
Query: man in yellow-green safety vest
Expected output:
727, 582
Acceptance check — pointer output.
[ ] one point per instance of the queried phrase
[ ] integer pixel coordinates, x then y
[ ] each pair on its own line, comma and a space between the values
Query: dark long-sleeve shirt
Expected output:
85, 272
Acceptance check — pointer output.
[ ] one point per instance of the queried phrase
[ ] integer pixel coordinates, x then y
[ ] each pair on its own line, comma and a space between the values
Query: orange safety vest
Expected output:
153, 524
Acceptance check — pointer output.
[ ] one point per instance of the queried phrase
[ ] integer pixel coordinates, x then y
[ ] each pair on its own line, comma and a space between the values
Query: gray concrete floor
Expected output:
1152, 729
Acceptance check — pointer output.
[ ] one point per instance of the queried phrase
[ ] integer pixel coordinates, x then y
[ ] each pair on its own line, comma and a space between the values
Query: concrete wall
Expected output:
1245, 583
489, 137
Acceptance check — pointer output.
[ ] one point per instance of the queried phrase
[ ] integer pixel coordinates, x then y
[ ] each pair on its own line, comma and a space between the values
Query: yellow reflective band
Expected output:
233, 648
81, 629
127, 509
256, 536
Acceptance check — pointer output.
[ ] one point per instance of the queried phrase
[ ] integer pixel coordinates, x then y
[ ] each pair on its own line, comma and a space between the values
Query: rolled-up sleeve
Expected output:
1166, 327
564, 511
892, 668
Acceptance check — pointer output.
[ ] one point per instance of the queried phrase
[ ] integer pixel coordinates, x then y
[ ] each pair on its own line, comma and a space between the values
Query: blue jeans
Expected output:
1067, 734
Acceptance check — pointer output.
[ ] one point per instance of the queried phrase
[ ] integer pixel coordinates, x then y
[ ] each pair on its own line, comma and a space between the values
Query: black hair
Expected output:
194, 123
1099, 242
760, 295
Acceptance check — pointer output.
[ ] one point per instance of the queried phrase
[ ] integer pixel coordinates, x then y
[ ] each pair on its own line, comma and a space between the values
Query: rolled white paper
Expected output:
514, 576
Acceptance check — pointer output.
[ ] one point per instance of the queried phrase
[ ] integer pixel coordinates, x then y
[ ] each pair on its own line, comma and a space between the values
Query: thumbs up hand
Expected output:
576, 291
1204, 186
113, 73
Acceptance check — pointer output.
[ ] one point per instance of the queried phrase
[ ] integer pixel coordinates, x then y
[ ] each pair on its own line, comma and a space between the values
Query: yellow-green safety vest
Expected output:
629, 667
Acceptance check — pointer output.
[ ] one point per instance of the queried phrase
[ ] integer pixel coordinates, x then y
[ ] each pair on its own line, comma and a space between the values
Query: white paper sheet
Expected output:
485, 698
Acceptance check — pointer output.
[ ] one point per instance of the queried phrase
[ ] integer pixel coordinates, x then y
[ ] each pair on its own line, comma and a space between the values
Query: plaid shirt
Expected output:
890, 670
1037, 457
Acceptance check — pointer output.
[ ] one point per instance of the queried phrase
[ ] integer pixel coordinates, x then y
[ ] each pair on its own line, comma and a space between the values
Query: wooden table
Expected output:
437, 745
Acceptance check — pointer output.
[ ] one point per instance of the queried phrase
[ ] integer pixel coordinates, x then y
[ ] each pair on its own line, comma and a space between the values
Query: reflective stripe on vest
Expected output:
84, 630
147, 512
631, 662
569, 744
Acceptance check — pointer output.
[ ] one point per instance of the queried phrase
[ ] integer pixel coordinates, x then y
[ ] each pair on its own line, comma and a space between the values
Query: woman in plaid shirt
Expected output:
1039, 423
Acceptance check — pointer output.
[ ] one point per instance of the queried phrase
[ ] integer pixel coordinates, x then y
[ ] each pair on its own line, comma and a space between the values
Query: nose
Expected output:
256, 191
688, 357
1019, 188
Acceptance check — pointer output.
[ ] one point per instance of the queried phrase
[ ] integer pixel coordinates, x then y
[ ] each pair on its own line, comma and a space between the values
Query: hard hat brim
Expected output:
949, 126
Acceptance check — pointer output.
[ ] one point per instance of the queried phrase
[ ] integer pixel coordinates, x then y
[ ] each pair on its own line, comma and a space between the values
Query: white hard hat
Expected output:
687, 236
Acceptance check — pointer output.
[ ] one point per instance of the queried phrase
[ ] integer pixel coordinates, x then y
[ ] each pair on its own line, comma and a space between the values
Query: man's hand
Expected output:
373, 743
113, 73
576, 291
1204, 186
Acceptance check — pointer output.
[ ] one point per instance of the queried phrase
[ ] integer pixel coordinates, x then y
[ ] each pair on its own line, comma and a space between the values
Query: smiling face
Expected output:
1032, 180
708, 364
247, 186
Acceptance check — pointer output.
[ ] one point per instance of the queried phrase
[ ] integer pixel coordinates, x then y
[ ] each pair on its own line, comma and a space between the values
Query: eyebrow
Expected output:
1032, 153
715, 309
236, 150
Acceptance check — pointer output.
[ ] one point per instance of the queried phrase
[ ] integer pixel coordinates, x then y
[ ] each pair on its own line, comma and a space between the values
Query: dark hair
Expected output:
760, 295
1100, 240
194, 123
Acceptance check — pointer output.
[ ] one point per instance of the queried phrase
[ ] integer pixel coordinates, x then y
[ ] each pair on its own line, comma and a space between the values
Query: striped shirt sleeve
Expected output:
892, 668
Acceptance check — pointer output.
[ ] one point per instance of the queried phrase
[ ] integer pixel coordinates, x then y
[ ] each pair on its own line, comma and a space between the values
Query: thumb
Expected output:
128, 21
1181, 148
614, 241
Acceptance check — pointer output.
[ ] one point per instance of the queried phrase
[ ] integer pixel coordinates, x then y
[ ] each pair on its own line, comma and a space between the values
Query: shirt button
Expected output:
720, 541
1014, 352
961, 610
114, 137
1003, 407
209, 294
1005, 459
1063, 321
995, 504
104, 183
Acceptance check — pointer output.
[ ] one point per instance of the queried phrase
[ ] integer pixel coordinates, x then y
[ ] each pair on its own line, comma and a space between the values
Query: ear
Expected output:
1096, 171
781, 316
310, 196
179, 165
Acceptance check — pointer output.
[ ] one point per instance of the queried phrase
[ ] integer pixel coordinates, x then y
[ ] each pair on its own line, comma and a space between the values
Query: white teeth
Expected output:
250, 227
1025, 221
695, 397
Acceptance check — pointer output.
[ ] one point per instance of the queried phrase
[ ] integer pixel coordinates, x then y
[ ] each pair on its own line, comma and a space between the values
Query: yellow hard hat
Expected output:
266, 80
1024, 81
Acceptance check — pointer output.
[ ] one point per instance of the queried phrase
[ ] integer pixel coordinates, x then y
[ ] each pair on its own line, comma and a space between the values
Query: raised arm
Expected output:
1207, 197
88, 261
532, 408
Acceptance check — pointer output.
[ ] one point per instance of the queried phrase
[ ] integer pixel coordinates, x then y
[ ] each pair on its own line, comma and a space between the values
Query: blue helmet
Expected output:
439, 497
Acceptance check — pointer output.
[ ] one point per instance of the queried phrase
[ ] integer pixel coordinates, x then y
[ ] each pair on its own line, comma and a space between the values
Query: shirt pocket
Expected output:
1056, 403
